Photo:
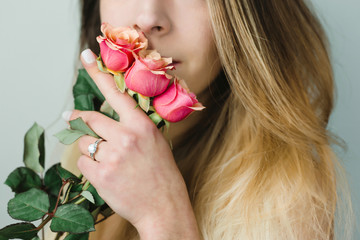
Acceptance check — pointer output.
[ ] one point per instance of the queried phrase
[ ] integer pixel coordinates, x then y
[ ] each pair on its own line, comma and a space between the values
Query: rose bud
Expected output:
177, 102
118, 45
147, 75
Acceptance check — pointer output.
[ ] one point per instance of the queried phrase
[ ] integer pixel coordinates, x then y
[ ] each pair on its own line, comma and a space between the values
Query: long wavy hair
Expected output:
259, 165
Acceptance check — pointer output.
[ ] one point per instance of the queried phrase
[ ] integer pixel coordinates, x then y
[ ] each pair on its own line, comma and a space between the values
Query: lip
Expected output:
175, 63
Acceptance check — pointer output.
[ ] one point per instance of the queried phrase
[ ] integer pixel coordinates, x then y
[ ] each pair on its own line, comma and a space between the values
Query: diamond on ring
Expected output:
93, 147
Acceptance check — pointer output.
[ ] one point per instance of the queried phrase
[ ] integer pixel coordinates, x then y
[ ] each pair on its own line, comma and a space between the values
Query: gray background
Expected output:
38, 47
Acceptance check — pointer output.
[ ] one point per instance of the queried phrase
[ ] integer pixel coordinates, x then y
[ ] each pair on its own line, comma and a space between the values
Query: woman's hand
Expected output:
134, 172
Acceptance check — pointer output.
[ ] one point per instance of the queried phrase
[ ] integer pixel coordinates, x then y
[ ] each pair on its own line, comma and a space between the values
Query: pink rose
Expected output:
147, 75
118, 45
177, 102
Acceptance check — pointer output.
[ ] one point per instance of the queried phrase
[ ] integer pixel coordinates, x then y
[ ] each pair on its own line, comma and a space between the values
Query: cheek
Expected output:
105, 11
204, 71
203, 63
115, 12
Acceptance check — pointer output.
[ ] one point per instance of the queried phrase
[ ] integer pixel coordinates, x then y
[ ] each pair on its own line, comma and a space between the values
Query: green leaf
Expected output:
155, 118
85, 205
144, 102
66, 175
106, 211
68, 136
101, 66
53, 201
25, 231
88, 196
98, 200
80, 125
109, 111
35, 238
52, 180
77, 188
55, 176
120, 82
82, 236
34, 148
29, 206
86, 93
22, 179
131, 92
73, 219
67, 193
72, 195
95, 212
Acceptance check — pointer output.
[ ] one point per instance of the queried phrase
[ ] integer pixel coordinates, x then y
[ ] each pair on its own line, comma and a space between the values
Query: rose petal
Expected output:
115, 60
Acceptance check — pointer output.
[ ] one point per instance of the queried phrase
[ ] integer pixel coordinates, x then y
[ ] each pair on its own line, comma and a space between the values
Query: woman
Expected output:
256, 163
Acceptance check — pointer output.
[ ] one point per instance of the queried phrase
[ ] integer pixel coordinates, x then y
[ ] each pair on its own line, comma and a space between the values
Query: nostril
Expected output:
158, 28
136, 27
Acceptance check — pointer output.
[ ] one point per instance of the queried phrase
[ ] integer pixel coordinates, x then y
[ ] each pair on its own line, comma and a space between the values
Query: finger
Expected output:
88, 168
102, 125
101, 150
122, 103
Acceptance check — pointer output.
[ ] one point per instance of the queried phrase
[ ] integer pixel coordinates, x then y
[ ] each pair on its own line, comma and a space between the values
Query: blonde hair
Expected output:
266, 169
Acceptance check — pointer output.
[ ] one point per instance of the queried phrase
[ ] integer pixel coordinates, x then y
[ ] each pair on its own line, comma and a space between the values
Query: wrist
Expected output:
164, 231
170, 224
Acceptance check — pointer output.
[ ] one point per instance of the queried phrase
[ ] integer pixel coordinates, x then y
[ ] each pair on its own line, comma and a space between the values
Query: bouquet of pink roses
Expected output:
143, 73
69, 202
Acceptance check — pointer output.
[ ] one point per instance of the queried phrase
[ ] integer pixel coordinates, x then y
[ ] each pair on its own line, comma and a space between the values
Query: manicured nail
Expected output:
66, 115
88, 56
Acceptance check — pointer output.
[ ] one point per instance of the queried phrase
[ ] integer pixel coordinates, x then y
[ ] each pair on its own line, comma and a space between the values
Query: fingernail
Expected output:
88, 56
66, 115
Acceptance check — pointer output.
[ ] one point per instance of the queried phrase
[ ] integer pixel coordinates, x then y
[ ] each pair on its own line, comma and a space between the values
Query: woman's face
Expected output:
175, 28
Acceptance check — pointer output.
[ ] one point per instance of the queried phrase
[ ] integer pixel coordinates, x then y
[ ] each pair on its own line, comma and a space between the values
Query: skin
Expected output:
180, 29
135, 171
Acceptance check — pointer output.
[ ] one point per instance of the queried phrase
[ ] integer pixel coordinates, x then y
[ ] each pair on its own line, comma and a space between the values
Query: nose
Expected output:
152, 19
